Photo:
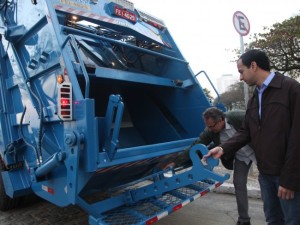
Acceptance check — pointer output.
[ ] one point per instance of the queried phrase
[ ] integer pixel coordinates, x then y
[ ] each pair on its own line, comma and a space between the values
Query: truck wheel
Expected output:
6, 203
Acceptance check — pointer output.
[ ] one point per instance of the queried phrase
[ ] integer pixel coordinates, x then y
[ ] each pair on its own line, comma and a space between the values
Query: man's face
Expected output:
214, 126
247, 74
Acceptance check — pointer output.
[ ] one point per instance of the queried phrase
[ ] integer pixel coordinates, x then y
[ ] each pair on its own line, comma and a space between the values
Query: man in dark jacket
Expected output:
272, 125
219, 127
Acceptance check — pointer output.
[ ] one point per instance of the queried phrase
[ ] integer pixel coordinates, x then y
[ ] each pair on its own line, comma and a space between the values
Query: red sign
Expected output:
125, 14
241, 23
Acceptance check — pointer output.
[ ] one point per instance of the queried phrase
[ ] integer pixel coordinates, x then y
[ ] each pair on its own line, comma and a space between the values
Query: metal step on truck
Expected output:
95, 97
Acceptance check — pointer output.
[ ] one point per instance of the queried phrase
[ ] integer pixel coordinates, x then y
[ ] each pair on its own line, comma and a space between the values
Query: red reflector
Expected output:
153, 220
51, 191
177, 207
47, 189
204, 192
218, 184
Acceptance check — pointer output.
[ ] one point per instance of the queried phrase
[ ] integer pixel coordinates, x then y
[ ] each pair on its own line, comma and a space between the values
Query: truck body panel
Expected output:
95, 97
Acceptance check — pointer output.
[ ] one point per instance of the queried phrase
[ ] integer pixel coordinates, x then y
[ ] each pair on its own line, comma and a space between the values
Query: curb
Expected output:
228, 188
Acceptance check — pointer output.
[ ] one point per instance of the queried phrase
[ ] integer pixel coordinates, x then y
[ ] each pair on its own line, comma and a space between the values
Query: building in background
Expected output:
225, 81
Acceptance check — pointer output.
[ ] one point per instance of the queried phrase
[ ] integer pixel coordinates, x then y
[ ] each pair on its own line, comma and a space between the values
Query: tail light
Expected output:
65, 101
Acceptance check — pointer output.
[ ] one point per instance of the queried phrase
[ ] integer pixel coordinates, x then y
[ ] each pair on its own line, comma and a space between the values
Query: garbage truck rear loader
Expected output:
95, 97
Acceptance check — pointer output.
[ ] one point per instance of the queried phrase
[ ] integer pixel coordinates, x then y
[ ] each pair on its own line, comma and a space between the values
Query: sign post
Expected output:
242, 26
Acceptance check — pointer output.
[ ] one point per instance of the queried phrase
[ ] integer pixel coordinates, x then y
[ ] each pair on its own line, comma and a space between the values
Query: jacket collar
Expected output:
275, 83
277, 80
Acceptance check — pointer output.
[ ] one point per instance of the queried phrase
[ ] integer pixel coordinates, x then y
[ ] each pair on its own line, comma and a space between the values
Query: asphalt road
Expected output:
214, 208
211, 209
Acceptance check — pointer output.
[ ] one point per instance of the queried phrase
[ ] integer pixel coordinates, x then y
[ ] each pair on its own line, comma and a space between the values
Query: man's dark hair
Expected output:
258, 56
214, 113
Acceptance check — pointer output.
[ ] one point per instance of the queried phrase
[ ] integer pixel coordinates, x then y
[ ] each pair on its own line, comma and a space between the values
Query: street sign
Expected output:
242, 26
241, 23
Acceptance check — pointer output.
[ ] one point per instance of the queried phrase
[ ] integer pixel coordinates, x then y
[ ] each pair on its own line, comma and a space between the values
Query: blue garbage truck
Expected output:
95, 98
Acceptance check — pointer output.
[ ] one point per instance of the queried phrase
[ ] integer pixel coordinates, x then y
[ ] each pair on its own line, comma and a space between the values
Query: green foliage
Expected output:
281, 42
208, 93
234, 97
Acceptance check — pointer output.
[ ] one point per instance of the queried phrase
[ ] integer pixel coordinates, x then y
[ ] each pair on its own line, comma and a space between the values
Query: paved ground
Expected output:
217, 208
211, 209
214, 209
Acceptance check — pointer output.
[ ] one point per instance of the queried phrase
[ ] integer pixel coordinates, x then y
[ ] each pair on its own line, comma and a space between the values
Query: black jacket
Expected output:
275, 136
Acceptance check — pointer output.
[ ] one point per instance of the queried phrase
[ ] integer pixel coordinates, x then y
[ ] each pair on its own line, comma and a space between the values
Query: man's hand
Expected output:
216, 153
285, 193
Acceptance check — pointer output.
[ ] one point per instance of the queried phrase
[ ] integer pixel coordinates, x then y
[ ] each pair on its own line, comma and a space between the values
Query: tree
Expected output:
234, 97
208, 94
281, 42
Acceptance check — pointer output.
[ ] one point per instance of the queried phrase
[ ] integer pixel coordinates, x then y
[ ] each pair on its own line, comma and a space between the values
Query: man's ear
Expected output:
253, 66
